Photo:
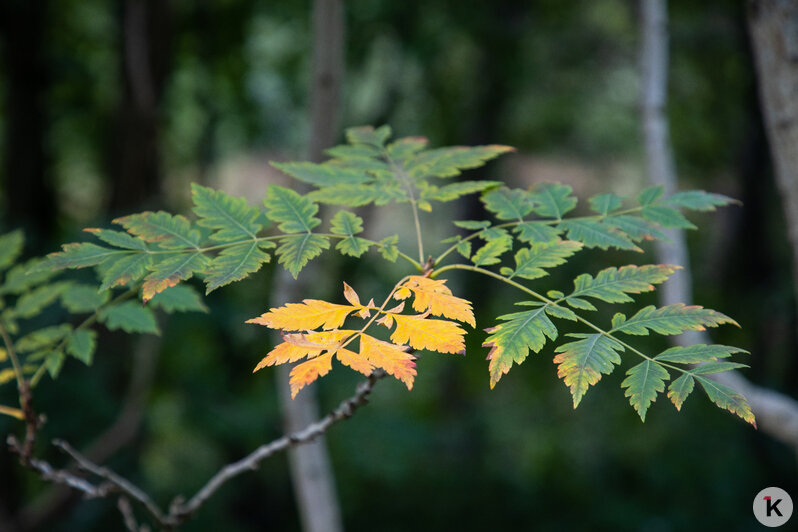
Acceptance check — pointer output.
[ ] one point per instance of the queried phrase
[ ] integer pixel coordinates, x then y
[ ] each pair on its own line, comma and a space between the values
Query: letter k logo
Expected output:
772, 506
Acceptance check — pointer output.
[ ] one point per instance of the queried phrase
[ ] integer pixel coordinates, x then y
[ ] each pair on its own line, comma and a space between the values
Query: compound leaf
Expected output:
293, 212
172, 270
170, 232
529, 262
643, 382
235, 263
310, 314
668, 320
727, 398
581, 363
423, 333
231, 218
129, 316
435, 296
511, 341
295, 251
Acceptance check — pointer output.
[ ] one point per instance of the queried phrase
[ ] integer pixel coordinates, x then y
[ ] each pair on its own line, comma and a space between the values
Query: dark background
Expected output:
103, 116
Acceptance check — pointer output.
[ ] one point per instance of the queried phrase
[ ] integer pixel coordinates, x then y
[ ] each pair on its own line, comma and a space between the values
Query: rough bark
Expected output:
776, 413
773, 26
311, 472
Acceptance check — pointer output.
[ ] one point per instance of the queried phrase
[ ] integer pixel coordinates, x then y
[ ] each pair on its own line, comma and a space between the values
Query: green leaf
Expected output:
536, 232
448, 162
680, 389
612, 284
81, 345
556, 311
231, 218
553, 200
595, 234
81, 255
605, 203
345, 223
494, 233
456, 190
727, 398
508, 204
698, 200
511, 341
296, 251
650, 195
581, 363
666, 217
33, 302
82, 298
180, 298
46, 337
233, 264
716, 367
668, 320
490, 252
388, 248
472, 225
635, 228
323, 175
23, 277
130, 316
170, 232
170, 271
118, 239
124, 270
697, 353
579, 303
54, 362
405, 147
10, 248
347, 195
368, 135
464, 248
529, 262
293, 212
643, 382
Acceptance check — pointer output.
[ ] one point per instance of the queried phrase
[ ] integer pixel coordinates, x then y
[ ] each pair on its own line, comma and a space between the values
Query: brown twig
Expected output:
179, 511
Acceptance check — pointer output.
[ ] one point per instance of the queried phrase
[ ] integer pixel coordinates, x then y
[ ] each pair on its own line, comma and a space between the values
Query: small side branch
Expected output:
112, 483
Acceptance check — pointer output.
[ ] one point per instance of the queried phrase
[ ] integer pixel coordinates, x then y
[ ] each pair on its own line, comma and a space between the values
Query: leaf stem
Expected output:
12, 355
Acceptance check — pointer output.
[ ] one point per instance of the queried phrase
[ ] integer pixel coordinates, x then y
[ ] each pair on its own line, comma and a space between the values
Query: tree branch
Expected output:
776, 414
179, 512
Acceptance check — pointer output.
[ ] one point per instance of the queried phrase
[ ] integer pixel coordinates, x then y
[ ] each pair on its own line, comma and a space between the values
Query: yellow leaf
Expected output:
386, 320
402, 293
308, 315
298, 346
306, 372
13, 412
3, 354
435, 296
435, 335
390, 357
351, 295
6, 375
356, 361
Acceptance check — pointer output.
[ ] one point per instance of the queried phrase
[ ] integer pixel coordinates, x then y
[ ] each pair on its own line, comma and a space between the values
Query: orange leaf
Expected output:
390, 357
351, 295
356, 361
435, 296
297, 346
307, 372
435, 335
309, 314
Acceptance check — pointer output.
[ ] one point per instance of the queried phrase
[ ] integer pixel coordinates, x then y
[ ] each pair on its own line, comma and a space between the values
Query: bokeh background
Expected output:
225, 85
